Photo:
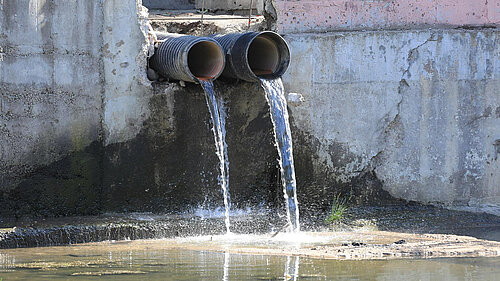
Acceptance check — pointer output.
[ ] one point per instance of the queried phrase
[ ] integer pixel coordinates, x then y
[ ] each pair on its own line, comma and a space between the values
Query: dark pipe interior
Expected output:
268, 56
205, 60
263, 56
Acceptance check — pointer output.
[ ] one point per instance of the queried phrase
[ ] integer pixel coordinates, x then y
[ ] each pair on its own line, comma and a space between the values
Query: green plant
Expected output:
339, 208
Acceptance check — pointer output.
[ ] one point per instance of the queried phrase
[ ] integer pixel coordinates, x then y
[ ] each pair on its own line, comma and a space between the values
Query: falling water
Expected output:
279, 115
218, 113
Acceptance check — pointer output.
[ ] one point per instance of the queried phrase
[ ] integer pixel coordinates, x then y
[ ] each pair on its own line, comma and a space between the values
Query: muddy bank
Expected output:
351, 245
359, 245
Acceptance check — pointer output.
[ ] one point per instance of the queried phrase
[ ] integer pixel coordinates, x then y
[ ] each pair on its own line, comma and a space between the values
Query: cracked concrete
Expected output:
415, 107
413, 111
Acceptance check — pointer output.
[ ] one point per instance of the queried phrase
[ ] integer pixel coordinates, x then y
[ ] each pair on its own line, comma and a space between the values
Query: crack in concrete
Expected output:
370, 166
411, 58
413, 55
477, 118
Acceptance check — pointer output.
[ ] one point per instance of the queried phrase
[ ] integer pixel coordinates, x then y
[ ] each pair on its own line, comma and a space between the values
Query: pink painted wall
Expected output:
325, 15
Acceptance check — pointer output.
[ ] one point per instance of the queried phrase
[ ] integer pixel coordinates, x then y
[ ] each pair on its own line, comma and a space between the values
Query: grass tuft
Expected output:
339, 208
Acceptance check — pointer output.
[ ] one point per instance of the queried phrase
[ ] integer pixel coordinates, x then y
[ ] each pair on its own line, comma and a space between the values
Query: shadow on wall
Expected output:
169, 4
170, 166
318, 184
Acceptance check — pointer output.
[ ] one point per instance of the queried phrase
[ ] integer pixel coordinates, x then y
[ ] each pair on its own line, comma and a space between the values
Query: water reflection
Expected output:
86, 262
292, 269
226, 266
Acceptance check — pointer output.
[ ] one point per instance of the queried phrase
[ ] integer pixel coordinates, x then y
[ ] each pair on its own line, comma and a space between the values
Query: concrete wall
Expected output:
420, 109
83, 131
126, 87
70, 74
328, 15
72, 79
51, 82
415, 112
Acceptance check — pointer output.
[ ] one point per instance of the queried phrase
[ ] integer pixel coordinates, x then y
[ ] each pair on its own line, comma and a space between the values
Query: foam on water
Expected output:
221, 212
284, 239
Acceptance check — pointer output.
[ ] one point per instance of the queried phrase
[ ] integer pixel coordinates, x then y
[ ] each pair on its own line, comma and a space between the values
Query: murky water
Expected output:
218, 113
127, 261
275, 96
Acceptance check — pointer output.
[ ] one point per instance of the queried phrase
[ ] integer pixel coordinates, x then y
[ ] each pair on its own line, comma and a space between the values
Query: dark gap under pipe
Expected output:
187, 58
254, 55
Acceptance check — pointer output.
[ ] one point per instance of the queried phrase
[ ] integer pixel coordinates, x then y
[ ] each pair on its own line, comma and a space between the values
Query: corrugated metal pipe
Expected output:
187, 58
254, 55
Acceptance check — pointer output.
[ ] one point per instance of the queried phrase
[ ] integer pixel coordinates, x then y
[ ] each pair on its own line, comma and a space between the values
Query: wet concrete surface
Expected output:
401, 219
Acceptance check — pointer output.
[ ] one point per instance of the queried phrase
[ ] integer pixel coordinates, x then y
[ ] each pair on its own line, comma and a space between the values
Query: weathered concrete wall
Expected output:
72, 79
83, 131
171, 164
419, 109
328, 15
126, 87
50, 82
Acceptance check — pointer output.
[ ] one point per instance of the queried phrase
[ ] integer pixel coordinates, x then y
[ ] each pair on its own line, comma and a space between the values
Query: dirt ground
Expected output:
362, 245
359, 245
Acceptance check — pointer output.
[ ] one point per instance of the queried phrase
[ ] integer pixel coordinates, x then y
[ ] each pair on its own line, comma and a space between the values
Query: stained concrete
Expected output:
84, 131
169, 166
415, 108
126, 87
409, 114
329, 15
51, 83
72, 80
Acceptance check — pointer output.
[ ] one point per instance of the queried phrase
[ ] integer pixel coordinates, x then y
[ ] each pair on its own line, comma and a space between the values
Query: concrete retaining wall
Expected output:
83, 131
415, 112
328, 15
51, 80
72, 76
419, 108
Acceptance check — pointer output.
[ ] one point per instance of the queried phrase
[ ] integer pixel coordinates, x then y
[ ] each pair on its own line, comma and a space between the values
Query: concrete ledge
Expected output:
169, 4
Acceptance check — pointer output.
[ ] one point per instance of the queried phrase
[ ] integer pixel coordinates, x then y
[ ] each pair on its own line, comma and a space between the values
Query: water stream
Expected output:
275, 97
218, 113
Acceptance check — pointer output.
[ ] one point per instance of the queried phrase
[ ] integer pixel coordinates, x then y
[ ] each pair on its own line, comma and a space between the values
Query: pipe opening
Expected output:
205, 60
268, 56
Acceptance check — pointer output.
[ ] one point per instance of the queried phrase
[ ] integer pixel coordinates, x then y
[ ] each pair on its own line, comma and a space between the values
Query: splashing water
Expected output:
218, 113
275, 97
